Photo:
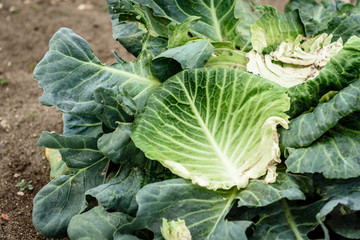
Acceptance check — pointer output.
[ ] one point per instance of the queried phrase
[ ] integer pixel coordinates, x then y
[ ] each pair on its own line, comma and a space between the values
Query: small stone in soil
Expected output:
20, 193
5, 217
13, 9
86, 6
5, 125
16, 175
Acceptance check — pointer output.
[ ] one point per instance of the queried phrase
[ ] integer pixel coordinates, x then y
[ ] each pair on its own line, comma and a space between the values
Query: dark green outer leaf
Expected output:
231, 230
246, 12
308, 127
179, 33
113, 145
85, 125
119, 193
343, 222
62, 198
315, 15
344, 27
284, 220
332, 17
128, 34
155, 45
338, 73
134, 38
217, 17
118, 106
76, 151
332, 188
202, 210
336, 154
119, 236
118, 147
70, 72
346, 8
96, 224
191, 55
258, 194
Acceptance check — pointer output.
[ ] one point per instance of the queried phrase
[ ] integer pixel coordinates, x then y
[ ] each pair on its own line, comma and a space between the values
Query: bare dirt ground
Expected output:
26, 27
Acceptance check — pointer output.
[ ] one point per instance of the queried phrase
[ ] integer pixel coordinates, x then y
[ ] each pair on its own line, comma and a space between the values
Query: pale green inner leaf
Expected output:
216, 127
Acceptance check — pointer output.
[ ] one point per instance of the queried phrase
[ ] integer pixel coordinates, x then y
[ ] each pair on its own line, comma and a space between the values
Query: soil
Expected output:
26, 27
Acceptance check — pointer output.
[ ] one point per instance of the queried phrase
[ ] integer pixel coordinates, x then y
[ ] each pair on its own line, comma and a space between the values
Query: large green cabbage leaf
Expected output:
335, 154
167, 25
64, 197
342, 208
283, 220
70, 72
202, 210
330, 16
326, 140
96, 224
217, 17
216, 127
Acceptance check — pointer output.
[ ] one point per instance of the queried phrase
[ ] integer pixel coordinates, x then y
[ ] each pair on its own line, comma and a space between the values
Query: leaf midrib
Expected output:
207, 132
226, 207
114, 70
215, 21
290, 220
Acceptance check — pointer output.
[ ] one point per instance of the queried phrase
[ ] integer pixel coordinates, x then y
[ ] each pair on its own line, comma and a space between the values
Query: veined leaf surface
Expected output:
342, 208
216, 127
202, 210
273, 28
258, 194
335, 154
217, 17
315, 15
148, 32
247, 13
308, 127
338, 73
172, 61
329, 16
70, 72
76, 151
64, 197
85, 125
96, 224
283, 220
119, 193
344, 26
342, 212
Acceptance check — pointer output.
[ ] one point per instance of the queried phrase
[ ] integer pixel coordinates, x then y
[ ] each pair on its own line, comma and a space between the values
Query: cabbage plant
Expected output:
234, 121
